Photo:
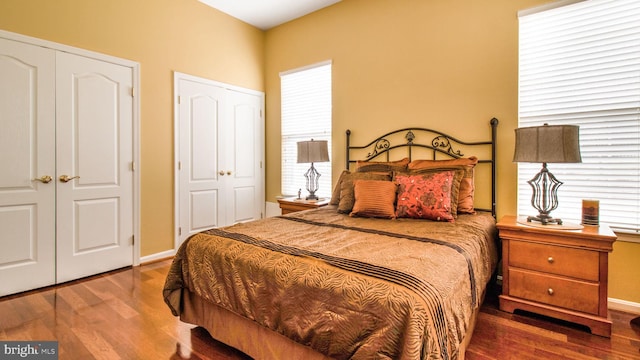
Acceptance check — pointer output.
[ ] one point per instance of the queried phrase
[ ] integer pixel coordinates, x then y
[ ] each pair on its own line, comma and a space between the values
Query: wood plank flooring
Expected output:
121, 315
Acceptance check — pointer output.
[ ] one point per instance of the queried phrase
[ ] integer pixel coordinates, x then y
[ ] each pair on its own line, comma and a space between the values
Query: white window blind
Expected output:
580, 65
306, 114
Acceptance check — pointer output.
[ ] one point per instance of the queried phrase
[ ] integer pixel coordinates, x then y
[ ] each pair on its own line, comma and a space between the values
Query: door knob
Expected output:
66, 178
228, 172
221, 173
44, 179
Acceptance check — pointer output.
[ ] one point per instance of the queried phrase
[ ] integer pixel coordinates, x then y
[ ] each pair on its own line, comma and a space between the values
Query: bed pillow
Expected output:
335, 195
459, 173
425, 196
467, 187
374, 198
368, 166
347, 198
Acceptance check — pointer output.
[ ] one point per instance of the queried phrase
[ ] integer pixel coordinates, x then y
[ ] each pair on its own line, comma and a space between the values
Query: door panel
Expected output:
203, 209
94, 140
27, 152
199, 178
247, 182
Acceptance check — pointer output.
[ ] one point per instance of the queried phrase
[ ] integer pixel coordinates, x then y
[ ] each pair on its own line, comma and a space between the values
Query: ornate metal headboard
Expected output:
439, 144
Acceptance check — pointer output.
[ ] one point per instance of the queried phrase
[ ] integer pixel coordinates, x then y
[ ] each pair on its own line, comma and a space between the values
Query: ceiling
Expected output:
265, 14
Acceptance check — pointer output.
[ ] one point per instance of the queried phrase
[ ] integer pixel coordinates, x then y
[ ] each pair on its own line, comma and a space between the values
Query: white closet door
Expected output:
201, 176
27, 152
245, 139
94, 134
220, 150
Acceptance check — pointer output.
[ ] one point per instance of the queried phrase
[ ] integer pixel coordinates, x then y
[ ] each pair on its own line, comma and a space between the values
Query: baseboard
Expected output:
623, 305
157, 256
273, 209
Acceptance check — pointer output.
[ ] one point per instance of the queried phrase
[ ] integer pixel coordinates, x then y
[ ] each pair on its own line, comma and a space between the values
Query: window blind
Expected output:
580, 65
306, 114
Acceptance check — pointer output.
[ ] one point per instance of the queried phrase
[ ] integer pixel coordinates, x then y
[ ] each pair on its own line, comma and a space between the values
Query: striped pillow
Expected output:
374, 198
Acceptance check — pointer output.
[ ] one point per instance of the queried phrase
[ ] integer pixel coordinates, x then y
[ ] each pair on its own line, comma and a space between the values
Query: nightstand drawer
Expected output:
576, 263
543, 288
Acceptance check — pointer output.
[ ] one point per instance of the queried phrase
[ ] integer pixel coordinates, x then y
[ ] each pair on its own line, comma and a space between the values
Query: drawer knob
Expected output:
550, 291
550, 260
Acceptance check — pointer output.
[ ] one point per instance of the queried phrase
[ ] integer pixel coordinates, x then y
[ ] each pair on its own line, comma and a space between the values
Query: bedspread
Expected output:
347, 287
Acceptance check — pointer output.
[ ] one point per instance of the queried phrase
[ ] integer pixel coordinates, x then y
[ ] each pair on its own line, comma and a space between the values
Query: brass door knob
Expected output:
221, 173
228, 172
66, 178
44, 179
550, 291
550, 260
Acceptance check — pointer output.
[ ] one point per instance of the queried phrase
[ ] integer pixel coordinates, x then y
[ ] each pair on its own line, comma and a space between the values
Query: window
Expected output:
306, 115
580, 65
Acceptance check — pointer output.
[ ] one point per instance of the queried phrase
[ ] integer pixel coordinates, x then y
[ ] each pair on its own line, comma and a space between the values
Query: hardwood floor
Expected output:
121, 315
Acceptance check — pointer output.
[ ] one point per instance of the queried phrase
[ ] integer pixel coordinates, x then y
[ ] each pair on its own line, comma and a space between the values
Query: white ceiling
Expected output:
265, 14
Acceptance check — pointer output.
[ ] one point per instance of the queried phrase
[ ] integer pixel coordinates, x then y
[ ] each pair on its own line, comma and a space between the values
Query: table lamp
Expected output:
311, 152
546, 144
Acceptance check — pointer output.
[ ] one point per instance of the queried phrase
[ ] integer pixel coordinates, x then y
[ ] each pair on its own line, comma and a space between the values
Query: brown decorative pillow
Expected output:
467, 188
347, 197
425, 196
374, 198
368, 166
335, 196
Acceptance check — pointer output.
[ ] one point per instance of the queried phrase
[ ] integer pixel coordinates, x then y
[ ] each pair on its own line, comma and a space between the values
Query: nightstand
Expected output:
557, 273
289, 205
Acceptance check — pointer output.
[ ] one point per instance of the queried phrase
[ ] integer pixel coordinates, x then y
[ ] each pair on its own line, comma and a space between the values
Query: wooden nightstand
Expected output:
289, 205
557, 273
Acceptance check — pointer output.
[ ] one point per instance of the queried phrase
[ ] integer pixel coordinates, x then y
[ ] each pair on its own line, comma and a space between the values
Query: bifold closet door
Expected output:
94, 179
220, 155
27, 163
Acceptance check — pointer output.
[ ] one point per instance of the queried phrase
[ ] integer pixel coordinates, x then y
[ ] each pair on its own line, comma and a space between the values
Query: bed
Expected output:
396, 267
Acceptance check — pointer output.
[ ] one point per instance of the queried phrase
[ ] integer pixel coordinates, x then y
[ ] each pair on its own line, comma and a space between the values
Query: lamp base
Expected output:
312, 197
544, 219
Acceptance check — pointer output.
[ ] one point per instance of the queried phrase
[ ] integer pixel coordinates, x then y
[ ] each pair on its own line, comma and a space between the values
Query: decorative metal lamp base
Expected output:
545, 196
312, 176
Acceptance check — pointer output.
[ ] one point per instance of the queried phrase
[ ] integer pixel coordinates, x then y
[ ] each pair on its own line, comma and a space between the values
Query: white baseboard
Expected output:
157, 256
273, 209
623, 305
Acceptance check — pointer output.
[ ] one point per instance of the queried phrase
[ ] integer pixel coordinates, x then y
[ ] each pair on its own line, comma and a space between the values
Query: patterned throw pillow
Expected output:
374, 198
467, 188
425, 196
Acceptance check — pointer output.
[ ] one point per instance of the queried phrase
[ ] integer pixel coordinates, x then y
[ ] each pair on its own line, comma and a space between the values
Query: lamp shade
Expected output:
548, 144
312, 151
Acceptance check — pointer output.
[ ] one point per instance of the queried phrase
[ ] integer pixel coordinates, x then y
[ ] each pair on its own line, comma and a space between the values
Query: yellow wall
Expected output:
447, 64
163, 36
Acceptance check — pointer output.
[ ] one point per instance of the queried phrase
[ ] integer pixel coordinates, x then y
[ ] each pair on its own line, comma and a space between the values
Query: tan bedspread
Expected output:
346, 287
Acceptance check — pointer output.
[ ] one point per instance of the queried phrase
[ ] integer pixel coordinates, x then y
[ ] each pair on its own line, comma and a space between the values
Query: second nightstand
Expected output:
557, 273
289, 205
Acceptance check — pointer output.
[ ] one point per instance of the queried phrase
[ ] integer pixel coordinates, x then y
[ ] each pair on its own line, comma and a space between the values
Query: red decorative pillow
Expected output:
425, 196
467, 188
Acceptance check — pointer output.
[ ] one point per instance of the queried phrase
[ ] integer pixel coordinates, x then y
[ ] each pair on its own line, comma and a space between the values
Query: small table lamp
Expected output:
310, 152
547, 144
